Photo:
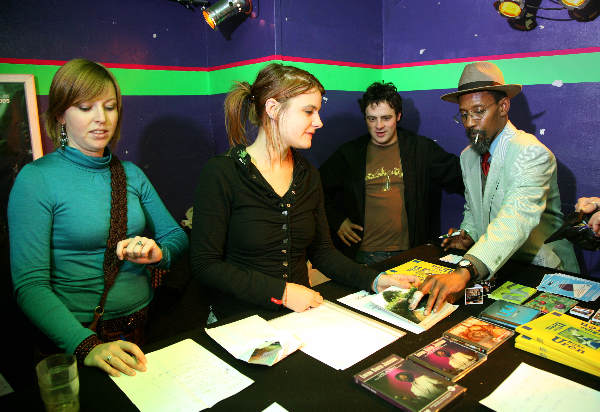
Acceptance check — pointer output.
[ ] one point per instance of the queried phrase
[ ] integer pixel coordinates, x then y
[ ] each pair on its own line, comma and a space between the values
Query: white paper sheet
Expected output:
531, 389
243, 337
337, 336
182, 377
275, 407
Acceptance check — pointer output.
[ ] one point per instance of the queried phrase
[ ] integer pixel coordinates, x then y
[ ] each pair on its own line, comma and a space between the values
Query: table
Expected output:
301, 383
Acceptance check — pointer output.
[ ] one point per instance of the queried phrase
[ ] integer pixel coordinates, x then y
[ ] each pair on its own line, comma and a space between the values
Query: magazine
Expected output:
419, 268
570, 286
575, 337
395, 301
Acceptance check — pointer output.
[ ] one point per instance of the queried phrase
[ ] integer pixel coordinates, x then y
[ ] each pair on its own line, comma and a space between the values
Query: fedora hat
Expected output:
481, 76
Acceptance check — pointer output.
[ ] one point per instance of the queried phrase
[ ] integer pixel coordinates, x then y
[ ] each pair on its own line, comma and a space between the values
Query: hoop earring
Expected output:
63, 137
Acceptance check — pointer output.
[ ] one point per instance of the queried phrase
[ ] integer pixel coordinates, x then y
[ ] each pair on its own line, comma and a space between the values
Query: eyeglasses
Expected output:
475, 114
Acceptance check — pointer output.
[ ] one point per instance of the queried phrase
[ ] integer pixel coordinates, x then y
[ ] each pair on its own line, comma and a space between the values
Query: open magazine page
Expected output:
414, 321
396, 301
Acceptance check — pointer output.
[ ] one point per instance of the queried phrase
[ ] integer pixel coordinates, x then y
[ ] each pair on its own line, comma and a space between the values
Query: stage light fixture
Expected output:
586, 11
574, 4
223, 9
510, 8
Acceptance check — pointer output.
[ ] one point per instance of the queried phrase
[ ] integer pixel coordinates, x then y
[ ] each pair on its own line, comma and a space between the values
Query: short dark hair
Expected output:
497, 95
381, 92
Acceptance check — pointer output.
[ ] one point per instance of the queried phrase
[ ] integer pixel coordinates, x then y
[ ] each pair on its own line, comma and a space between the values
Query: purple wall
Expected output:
451, 29
171, 137
565, 119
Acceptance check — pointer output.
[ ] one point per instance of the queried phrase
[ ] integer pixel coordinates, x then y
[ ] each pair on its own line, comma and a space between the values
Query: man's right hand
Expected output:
462, 241
347, 234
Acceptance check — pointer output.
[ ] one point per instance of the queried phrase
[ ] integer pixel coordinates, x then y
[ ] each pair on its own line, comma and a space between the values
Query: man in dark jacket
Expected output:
382, 190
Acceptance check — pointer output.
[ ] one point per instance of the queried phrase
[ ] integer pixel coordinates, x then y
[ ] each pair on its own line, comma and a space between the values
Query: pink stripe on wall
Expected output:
317, 61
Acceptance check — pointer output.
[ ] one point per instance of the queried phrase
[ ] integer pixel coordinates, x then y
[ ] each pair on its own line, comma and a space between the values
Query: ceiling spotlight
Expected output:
223, 9
510, 8
586, 11
574, 4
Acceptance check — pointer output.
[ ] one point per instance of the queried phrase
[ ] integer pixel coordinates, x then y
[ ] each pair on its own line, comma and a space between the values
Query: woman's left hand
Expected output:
140, 250
402, 281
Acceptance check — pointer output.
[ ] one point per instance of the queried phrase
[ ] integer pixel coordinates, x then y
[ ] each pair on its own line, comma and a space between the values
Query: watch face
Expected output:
464, 263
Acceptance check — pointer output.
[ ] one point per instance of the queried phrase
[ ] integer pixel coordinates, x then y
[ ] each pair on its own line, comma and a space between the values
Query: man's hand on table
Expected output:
442, 288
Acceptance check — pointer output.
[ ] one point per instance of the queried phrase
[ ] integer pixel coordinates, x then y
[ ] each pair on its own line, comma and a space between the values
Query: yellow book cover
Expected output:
525, 343
418, 268
575, 337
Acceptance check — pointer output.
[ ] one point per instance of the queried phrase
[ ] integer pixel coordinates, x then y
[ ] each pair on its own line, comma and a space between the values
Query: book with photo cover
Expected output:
448, 358
547, 302
570, 286
575, 337
512, 292
508, 314
408, 385
530, 345
479, 334
396, 301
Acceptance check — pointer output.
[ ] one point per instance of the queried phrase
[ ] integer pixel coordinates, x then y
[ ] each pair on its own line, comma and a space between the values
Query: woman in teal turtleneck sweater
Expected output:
59, 217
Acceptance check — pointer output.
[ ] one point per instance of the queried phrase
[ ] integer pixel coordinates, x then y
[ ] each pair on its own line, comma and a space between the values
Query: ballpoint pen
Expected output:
447, 235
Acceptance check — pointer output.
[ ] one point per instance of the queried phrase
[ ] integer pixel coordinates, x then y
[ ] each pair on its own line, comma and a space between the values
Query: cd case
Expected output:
408, 385
479, 334
448, 358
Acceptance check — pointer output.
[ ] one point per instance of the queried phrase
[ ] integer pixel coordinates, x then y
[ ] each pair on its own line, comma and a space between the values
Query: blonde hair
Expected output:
246, 102
77, 81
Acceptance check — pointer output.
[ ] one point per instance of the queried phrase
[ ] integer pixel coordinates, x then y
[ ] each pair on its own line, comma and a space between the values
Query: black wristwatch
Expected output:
467, 264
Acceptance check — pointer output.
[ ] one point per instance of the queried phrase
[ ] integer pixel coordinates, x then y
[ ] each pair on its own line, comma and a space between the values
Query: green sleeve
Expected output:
30, 215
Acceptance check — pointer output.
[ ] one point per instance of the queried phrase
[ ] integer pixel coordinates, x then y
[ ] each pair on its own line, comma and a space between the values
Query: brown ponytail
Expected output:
246, 102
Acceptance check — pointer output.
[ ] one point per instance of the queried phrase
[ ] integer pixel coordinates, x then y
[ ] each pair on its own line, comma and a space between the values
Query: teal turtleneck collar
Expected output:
92, 162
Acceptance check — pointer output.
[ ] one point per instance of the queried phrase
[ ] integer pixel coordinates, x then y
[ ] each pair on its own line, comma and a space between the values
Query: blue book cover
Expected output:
570, 286
509, 314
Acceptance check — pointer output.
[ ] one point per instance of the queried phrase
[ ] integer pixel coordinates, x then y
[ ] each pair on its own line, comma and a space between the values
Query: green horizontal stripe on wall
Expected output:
572, 68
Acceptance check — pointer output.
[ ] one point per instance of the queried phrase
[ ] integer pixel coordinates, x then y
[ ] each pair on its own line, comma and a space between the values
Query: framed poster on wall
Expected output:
20, 138
19, 121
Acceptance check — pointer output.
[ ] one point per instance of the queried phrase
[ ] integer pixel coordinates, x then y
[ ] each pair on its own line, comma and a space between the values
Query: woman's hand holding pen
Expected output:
300, 298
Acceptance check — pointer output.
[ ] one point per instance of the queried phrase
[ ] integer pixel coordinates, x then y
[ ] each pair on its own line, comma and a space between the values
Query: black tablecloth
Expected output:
301, 383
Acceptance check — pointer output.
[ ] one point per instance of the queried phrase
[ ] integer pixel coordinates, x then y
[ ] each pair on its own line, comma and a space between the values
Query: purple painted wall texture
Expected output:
171, 137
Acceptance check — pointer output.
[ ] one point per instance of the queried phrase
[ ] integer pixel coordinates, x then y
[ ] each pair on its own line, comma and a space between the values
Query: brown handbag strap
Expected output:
116, 232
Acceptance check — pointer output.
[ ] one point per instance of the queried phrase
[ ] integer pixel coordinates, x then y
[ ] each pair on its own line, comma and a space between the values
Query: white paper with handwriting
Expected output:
182, 377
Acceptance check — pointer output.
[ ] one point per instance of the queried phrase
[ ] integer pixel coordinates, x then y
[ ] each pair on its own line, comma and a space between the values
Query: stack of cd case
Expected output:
409, 385
448, 358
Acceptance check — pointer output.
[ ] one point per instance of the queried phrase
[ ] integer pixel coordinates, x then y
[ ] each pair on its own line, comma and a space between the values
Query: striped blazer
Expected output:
520, 207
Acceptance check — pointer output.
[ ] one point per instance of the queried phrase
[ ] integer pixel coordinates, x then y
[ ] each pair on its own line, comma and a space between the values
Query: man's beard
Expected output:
479, 140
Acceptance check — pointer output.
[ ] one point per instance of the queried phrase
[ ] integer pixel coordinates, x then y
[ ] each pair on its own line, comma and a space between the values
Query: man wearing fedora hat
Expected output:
512, 202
